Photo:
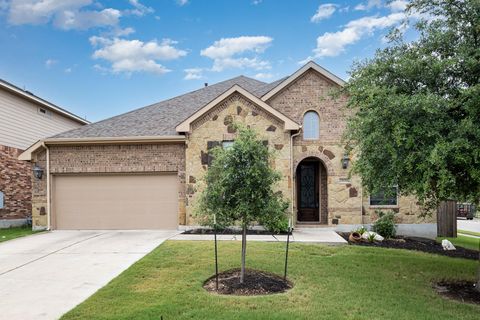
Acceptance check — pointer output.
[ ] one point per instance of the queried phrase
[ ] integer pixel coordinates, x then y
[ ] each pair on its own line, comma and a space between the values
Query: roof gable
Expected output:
310, 65
185, 126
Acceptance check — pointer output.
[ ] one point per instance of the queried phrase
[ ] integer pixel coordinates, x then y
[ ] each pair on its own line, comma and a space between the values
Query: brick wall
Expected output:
15, 183
346, 203
135, 158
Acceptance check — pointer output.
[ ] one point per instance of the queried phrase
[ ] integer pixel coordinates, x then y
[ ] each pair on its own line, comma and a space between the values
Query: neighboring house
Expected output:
144, 169
24, 119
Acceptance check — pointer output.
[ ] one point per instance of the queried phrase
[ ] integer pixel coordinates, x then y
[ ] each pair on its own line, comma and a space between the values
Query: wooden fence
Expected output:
447, 219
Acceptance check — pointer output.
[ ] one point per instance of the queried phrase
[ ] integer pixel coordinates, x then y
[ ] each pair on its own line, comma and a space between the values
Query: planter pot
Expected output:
355, 237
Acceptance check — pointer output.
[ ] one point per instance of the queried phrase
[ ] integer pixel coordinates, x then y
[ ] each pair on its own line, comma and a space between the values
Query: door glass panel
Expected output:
307, 186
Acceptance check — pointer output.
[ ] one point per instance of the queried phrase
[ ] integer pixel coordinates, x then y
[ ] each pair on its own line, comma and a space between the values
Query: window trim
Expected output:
386, 206
303, 125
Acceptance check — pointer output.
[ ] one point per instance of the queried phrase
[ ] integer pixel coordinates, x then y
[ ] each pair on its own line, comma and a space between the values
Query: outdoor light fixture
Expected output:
345, 161
37, 172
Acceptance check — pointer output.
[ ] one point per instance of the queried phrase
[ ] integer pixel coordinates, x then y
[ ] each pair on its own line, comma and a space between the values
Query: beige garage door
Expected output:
115, 202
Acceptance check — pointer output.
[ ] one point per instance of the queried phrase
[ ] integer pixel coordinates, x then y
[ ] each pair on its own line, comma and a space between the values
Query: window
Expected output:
383, 198
311, 125
2, 200
227, 144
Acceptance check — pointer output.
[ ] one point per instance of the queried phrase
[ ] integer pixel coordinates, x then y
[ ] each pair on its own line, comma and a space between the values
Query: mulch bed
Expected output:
463, 291
256, 283
230, 231
417, 244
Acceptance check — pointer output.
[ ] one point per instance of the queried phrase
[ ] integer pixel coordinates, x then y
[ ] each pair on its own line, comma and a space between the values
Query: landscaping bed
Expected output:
463, 291
256, 283
416, 244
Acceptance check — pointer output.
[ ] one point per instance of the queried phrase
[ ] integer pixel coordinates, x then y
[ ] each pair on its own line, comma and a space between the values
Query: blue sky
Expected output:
102, 58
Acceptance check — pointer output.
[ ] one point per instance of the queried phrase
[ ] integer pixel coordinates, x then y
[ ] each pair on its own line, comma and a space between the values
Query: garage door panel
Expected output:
116, 202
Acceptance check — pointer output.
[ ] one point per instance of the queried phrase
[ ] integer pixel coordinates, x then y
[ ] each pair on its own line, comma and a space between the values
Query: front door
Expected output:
308, 192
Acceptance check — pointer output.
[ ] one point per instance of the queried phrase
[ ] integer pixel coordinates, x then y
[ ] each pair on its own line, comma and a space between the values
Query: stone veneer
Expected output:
216, 126
106, 159
15, 183
346, 202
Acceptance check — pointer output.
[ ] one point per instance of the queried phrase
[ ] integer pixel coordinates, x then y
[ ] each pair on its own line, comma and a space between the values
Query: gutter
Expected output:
292, 173
109, 140
27, 154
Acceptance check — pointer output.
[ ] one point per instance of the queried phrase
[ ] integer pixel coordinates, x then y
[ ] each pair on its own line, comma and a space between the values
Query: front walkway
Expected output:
45, 275
311, 235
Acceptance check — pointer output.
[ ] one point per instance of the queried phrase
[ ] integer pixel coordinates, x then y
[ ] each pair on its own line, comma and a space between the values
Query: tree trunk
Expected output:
244, 252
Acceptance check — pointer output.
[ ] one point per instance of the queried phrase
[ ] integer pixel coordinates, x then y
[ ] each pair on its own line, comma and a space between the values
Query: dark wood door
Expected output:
308, 192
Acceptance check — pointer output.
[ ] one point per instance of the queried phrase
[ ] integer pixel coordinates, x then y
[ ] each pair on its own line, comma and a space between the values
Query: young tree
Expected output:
239, 188
417, 108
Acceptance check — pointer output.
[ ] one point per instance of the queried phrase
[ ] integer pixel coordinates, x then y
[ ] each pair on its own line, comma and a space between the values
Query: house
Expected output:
24, 119
144, 169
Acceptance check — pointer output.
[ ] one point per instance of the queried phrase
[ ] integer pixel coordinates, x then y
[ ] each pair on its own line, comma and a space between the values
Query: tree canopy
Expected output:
416, 106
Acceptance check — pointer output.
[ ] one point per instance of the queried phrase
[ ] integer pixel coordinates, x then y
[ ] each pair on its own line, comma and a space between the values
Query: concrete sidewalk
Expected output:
310, 235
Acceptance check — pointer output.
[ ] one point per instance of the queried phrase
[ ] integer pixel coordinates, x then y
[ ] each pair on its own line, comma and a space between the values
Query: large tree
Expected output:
240, 189
416, 106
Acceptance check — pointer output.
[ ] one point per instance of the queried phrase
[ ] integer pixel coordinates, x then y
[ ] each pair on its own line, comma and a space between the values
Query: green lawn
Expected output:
464, 241
472, 233
15, 232
346, 282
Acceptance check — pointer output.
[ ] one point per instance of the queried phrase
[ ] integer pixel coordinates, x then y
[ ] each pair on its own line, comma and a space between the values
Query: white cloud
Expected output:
68, 70
256, 2
226, 52
369, 5
397, 5
134, 55
193, 73
139, 9
50, 62
262, 75
324, 11
86, 19
331, 44
182, 2
65, 14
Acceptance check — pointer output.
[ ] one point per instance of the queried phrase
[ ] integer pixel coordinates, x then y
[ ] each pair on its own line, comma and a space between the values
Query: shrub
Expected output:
385, 225
277, 225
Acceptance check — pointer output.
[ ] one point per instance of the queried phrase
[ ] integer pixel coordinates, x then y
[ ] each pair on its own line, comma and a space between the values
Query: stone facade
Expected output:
346, 203
106, 159
216, 126
15, 183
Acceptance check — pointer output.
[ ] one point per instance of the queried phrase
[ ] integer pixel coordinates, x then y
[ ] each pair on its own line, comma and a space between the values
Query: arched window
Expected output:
311, 125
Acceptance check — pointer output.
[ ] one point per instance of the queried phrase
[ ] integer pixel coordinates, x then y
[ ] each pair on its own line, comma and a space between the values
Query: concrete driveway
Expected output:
45, 275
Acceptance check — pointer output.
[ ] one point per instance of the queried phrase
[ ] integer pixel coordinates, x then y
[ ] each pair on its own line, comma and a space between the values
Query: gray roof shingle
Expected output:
160, 119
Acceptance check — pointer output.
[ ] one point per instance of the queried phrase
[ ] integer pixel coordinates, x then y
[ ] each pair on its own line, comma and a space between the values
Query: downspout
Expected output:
292, 174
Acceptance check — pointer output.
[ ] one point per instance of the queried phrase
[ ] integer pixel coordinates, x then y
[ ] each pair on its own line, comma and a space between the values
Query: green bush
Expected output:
385, 225
277, 225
